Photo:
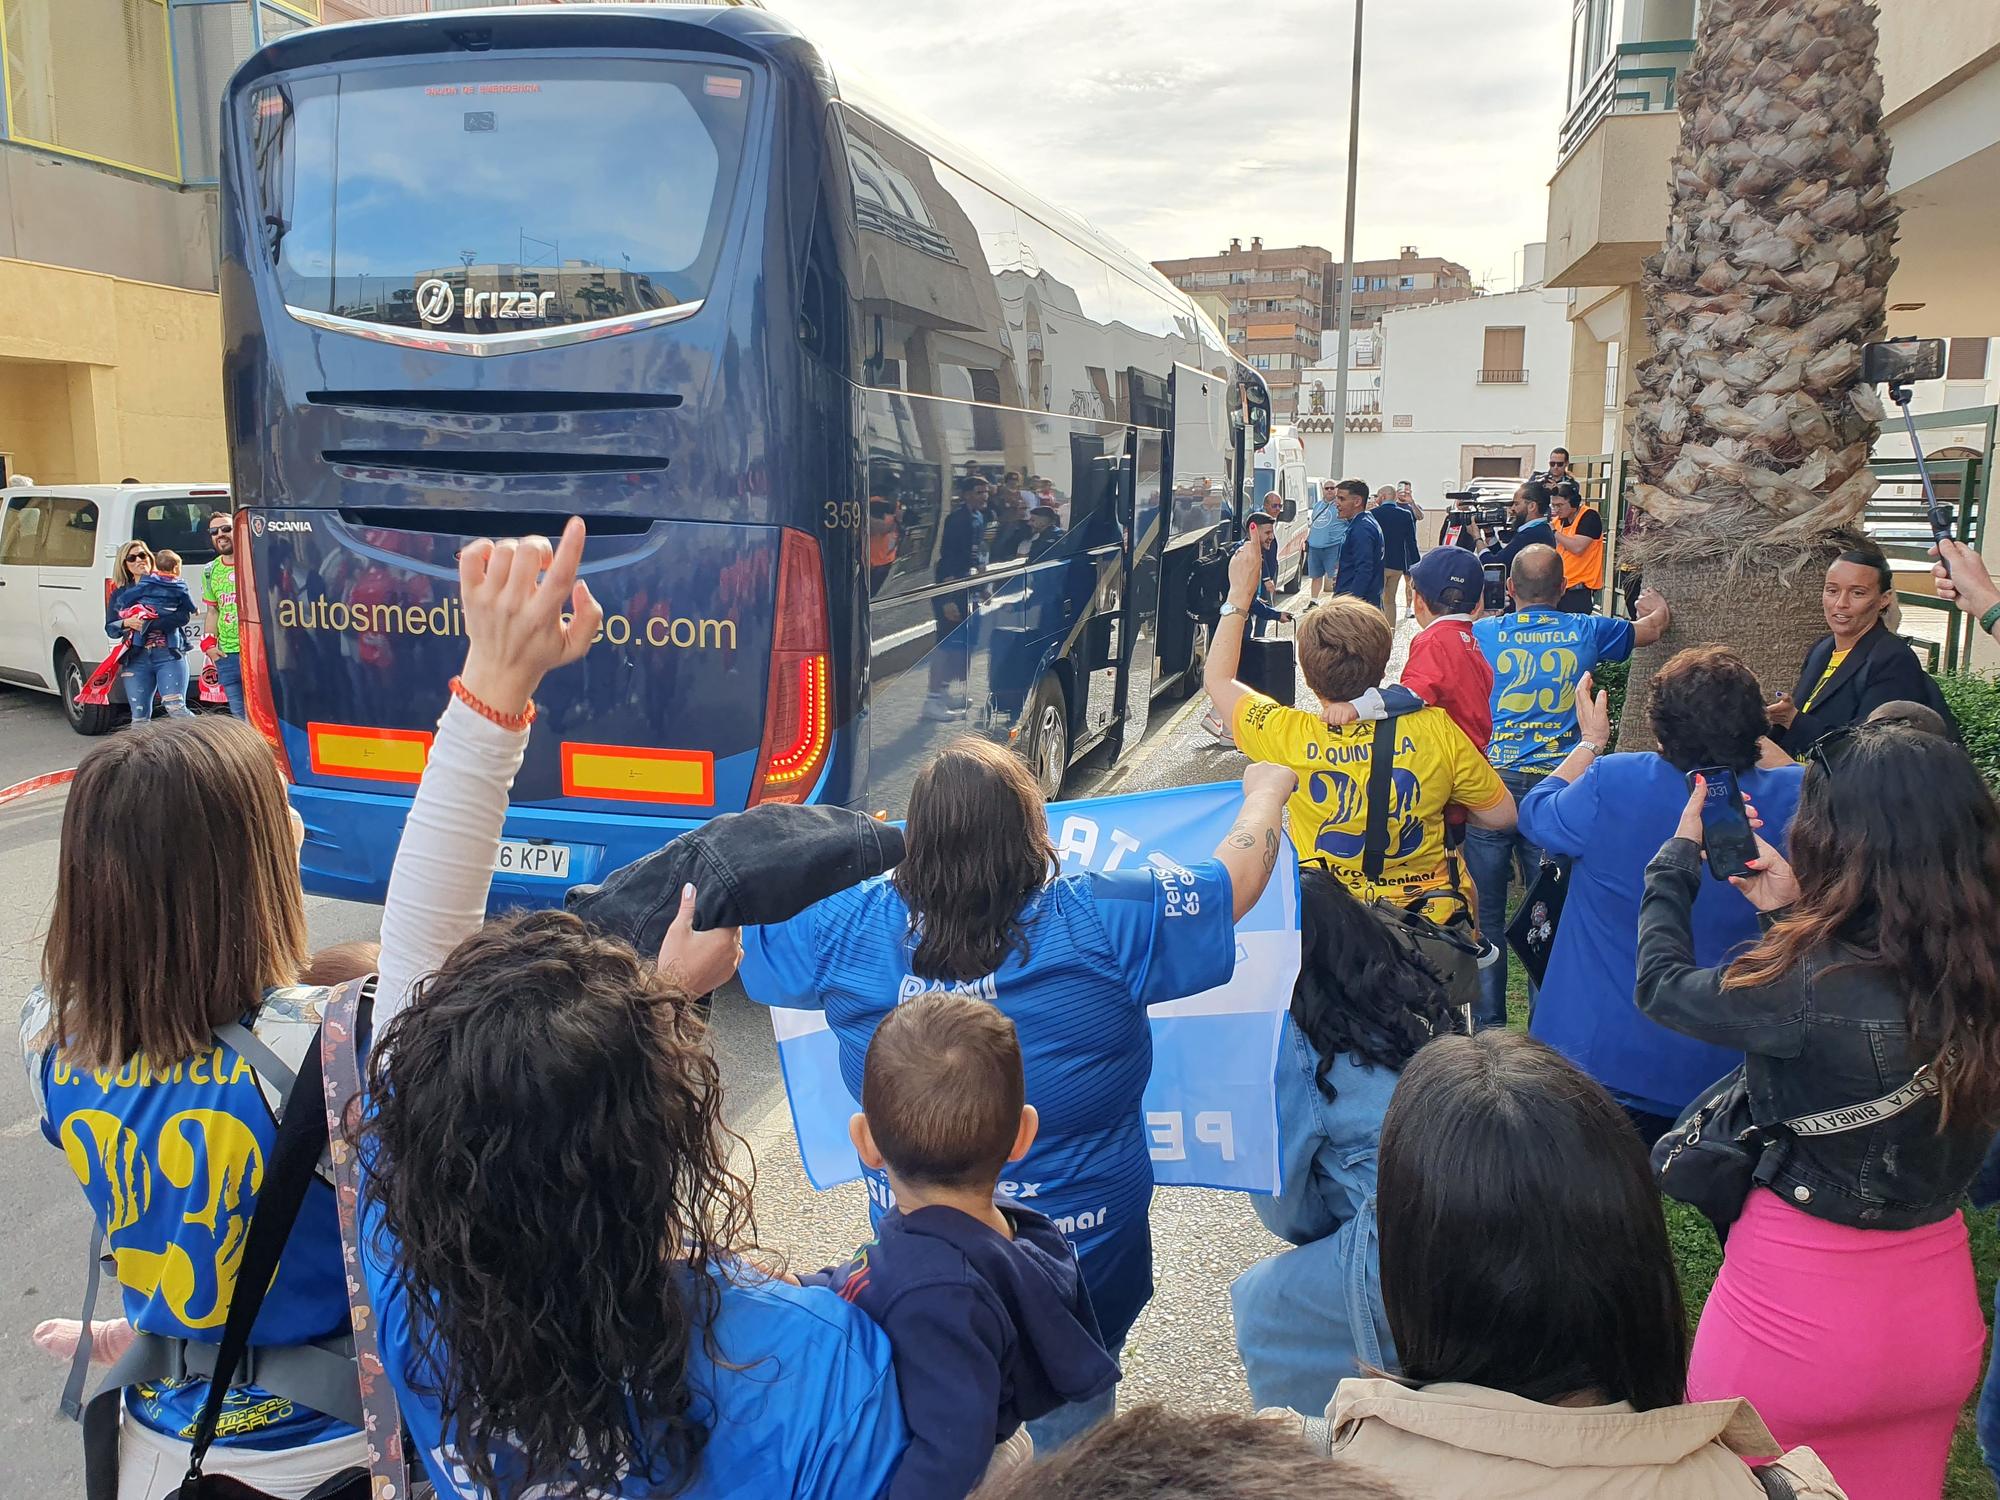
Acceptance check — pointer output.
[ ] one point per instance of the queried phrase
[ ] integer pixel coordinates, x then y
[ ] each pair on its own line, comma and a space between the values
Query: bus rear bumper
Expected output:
351, 839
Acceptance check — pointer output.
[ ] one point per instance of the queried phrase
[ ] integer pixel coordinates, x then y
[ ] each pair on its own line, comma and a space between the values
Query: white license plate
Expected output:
520, 857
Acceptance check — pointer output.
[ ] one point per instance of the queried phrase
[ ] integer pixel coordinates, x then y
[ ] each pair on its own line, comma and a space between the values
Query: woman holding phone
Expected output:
1845, 1308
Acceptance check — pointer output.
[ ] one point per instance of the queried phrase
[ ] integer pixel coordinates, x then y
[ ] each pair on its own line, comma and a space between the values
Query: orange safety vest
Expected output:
1585, 568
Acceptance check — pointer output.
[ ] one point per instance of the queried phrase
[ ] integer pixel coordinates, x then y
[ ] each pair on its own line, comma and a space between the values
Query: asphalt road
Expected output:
1182, 1350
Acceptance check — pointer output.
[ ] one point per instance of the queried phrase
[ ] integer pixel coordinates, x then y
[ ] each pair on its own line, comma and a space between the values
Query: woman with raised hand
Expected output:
552, 1228
1530, 1288
981, 906
1845, 1308
160, 1046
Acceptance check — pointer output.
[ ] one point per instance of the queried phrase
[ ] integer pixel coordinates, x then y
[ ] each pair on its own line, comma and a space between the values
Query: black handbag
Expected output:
1449, 947
1532, 933
1717, 1151
1270, 665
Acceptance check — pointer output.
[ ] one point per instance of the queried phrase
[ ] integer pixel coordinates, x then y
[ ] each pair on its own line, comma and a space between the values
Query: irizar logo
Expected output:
437, 300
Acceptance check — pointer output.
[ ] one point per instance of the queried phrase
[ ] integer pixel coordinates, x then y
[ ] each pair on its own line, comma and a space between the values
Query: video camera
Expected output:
1473, 508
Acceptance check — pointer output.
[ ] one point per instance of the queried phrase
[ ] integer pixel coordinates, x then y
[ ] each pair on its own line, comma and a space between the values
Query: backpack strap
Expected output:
1381, 761
349, 1016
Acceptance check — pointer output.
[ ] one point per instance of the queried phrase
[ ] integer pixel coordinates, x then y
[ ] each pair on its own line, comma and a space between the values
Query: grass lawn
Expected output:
1697, 1257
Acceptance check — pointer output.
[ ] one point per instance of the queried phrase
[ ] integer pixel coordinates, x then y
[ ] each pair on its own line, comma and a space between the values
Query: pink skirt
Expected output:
1861, 1344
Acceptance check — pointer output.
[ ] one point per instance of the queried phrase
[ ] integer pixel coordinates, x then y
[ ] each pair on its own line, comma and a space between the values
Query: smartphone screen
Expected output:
1726, 832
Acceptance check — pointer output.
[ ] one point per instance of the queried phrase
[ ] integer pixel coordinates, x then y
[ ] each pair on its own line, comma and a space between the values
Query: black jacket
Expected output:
1834, 1032
1882, 668
748, 869
986, 1332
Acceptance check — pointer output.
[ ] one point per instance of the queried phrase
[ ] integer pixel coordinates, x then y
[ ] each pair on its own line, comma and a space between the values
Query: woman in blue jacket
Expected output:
1610, 814
1311, 1316
154, 661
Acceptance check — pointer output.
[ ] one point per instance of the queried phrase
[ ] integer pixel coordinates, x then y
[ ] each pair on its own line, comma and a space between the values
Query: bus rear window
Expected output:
499, 194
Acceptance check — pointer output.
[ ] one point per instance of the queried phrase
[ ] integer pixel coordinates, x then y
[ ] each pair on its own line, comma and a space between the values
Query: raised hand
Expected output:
526, 613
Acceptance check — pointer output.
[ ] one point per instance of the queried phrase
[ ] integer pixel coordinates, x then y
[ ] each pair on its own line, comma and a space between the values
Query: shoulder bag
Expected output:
1532, 933
1449, 949
1717, 1152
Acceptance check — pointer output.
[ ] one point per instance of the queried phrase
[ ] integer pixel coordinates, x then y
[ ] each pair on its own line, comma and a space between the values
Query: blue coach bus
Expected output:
874, 447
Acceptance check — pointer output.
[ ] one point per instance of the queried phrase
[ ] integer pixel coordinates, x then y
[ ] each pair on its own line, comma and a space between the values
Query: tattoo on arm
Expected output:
1240, 837
1270, 850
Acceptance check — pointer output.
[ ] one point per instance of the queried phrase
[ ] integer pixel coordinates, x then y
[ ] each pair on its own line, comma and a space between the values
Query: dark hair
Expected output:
1896, 846
341, 962
553, 1175
1523, 1244
1554, 451
1916, 715
1358, 992
1151, 1453
1707, 709
1343, 648
976, 847
1868, 555
1261, 518
136, 964
1537, 574
943, 1088
1537, 495
1358, 487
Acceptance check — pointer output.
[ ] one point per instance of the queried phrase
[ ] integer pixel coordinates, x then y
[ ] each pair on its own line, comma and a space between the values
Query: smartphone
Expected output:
1725, 826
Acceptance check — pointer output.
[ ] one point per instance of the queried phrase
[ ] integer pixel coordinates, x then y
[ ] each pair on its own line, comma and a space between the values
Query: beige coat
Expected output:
1465, 1442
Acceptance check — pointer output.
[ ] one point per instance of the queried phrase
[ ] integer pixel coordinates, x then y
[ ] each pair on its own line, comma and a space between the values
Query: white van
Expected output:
58, 547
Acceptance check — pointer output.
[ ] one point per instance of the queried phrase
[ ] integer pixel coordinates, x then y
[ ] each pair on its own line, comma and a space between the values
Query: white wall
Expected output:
1430, 375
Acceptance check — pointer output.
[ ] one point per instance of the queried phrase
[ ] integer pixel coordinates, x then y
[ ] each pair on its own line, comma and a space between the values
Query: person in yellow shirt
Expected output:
1343, 651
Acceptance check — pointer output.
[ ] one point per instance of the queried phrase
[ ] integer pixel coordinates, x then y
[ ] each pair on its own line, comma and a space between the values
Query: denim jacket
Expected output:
1833, 1032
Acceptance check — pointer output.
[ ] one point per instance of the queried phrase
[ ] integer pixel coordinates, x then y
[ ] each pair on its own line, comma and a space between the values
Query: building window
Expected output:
1504, 358
1406, 283
1966, 361
93, 80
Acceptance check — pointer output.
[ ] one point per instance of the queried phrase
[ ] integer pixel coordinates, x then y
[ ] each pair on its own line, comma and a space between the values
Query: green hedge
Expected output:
1975, 701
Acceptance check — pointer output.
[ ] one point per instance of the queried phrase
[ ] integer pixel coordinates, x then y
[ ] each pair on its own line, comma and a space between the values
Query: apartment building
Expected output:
1275, 297
1940, 62
110, 329
1410, 280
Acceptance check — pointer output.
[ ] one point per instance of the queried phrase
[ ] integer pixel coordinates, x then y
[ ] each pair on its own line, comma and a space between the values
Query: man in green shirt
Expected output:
218, 596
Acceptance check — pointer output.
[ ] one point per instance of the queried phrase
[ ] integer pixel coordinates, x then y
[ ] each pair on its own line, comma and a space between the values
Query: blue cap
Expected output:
1449, 579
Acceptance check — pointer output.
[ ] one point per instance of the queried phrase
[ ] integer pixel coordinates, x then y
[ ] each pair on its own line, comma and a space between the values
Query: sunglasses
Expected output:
1832, 746
220, 531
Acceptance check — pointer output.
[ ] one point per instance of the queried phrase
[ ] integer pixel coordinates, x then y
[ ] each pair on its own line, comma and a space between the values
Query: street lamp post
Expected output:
1339, 463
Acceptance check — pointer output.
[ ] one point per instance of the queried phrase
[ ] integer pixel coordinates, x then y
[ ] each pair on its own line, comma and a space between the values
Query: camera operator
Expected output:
1529, 511
1579, 537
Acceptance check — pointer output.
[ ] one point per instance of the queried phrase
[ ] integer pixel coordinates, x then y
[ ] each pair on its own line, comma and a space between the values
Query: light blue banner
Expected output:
1211, 1109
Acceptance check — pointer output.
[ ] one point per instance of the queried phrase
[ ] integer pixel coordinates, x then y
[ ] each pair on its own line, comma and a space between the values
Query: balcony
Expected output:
1503, 377
1640, 78
1608, 199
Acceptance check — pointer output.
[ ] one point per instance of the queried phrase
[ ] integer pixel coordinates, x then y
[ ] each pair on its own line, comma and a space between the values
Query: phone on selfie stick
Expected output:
1725, 826
1895, 363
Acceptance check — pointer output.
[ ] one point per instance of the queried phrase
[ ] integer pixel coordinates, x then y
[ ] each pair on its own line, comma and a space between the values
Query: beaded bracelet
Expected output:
487, 711
1991, 618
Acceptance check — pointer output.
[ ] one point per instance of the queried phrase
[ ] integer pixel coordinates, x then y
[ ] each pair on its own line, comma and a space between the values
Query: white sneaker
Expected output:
1215, 728
937, 706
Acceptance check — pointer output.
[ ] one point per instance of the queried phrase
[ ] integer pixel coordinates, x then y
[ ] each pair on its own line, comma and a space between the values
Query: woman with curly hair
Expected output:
1308, 1317
1846, 1307
551, 1229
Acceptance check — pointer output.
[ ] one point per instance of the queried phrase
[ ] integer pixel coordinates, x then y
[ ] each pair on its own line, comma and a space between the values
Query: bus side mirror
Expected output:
1291, 510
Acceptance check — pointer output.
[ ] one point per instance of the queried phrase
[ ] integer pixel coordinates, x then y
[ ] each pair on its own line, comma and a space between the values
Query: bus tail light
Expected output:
257, 704
798, 711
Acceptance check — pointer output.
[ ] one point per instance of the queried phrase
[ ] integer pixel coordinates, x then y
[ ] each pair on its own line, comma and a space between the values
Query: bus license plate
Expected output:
519, 857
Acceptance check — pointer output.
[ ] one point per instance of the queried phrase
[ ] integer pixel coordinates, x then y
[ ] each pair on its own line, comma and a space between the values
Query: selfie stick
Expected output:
1940, 523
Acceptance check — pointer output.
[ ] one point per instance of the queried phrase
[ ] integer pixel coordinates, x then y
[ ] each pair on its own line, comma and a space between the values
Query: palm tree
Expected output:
1751, 431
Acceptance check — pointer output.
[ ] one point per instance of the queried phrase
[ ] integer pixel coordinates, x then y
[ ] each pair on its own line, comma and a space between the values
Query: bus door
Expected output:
1102, 504
1145, 541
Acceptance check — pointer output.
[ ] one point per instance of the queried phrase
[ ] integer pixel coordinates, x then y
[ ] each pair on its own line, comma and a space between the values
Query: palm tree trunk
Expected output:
1751, 430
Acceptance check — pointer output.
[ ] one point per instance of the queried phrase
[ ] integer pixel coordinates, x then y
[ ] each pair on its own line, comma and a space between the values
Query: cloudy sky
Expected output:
1175, 124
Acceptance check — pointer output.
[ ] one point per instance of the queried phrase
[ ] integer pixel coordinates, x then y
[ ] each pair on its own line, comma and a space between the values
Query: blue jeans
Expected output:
1491, 859
229, 672
1072, 1421
161, 671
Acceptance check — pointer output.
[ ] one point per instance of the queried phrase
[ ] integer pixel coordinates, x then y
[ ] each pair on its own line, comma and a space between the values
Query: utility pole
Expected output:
1347, 260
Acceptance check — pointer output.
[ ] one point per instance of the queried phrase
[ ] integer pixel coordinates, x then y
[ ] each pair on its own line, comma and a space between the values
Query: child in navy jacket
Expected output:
986, 1312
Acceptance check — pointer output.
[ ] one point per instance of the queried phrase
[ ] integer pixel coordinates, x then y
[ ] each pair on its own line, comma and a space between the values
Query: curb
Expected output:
35, 784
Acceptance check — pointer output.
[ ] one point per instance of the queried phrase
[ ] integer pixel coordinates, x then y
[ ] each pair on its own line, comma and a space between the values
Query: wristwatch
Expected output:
1229, 609
1594, 748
